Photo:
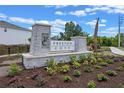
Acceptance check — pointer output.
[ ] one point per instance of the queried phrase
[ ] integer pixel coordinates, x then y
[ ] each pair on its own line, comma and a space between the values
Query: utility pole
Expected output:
120, 19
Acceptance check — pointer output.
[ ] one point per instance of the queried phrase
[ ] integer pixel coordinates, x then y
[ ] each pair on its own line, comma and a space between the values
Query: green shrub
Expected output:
122, 64
88, 69
91, 84
100, 60
111, 73
51, 63
86, 63
77, 73
93, 60
109, 61
102, 77
121, 85
82, 58
76, 65
90, 56
65, 68
73, 58
51, 71
103, 64
120, 68
97, 67
14, 69
67, 79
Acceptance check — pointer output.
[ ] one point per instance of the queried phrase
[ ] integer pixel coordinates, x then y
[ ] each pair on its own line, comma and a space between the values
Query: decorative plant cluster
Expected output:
64, 68
88, 69
109, 61
97, 66
88, 63
67, 79
51, 66
103, 64
111, 73
77, 73
76, 64
102, 77
14, 69
91, 84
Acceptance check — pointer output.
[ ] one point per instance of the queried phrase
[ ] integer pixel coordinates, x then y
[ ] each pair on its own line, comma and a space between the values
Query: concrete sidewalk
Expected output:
117, 51
1, 56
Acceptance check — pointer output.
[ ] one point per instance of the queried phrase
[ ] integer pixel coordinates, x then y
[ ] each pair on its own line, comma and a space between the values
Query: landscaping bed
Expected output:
72, 75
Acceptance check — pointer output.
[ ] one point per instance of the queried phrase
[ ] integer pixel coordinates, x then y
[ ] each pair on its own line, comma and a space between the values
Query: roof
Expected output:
42, 24
5, 24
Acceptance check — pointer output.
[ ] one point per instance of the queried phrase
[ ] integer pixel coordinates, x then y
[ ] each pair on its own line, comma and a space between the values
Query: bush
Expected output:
100, 60
89, 57
97, 67
51, 63
65, 68
14, 69
102, 77
121, 85
93, 60
120, 68
76, 65
103, 64
82, 58
86, 63
88, 69
73, 58
51, 71
111, 73
67, 79
109, 61
122, 64
91, 84
77, 73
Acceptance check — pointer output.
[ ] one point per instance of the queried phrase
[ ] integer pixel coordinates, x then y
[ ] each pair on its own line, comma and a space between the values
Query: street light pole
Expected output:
119, 32
120, 19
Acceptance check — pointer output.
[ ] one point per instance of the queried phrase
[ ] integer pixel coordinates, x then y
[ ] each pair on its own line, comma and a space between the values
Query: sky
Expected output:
57, 16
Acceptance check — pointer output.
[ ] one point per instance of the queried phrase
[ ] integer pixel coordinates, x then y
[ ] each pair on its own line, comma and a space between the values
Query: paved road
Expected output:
117, 51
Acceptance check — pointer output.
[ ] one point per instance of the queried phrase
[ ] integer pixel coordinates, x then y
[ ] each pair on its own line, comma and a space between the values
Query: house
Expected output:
11, 34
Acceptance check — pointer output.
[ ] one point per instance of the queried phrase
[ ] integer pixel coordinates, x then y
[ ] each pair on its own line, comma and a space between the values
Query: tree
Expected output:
71, 30
95, 35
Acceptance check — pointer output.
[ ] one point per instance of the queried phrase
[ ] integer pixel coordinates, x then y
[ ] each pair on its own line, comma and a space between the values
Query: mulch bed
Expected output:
27, 78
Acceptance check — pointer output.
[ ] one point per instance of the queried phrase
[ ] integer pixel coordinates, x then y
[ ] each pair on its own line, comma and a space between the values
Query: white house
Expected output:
11, 34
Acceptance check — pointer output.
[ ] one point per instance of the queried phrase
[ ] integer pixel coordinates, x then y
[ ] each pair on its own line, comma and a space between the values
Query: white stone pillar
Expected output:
40, 40
80, 43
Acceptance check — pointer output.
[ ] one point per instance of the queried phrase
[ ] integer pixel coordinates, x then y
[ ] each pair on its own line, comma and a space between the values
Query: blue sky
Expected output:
57, 16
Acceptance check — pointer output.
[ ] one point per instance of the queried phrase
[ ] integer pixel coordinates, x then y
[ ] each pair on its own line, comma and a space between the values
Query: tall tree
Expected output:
71, 30
95, 35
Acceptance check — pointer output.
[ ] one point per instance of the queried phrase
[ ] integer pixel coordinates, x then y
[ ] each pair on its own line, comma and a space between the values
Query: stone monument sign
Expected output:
42, 48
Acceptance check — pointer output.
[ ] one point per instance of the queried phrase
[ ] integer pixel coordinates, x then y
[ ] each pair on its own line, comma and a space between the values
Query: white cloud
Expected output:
108, 9
103, 21
3, 16
22, 20
56, 6
93, 23
42, 21
78, 13
59, 13
57, 25
111, 31
30, 28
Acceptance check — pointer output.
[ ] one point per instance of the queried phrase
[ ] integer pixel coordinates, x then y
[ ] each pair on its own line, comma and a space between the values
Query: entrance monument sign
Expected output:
42, 48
